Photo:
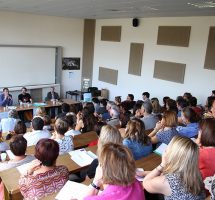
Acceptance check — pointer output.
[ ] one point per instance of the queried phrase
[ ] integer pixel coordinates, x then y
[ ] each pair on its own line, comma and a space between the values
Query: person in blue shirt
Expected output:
190, 120
6, 98
136, 139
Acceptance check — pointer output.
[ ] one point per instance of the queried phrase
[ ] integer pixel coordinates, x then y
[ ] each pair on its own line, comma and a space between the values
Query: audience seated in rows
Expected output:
65, 142
37, 132
178, 175
18, 146
149, 119
119, 182
136, 139
190, 119
8, 124
43, 177
165, 129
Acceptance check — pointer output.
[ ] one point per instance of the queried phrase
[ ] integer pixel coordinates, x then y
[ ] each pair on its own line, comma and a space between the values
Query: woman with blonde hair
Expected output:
108, 134
178, 175
116, 173
136, 139
165, 129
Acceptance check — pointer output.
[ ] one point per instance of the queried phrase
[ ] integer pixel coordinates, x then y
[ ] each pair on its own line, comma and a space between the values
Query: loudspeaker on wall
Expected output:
135, 22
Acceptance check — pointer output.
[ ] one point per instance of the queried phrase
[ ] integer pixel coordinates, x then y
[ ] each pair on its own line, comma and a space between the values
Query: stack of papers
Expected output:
72, 190
161, 149
82, 157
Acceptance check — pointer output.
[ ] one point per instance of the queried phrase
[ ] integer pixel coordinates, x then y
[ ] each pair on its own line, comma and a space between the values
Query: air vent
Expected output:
208, 4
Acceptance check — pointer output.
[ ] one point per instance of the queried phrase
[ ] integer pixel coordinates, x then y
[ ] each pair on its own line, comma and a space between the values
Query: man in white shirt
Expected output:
37, 133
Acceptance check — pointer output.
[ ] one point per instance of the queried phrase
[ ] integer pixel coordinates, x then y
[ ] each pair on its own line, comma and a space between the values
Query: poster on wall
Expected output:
71, 64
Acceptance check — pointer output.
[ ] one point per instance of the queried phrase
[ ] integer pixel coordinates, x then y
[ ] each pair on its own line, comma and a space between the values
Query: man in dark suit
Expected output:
52, 95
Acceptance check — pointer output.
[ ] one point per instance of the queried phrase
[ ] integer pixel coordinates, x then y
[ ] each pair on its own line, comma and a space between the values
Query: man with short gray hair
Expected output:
149, 119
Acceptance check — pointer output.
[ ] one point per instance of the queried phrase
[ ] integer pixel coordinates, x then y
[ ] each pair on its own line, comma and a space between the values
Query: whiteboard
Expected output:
26, 66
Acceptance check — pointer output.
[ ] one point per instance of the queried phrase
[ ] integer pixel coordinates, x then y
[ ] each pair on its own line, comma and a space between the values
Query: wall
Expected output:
115, 55
27, 29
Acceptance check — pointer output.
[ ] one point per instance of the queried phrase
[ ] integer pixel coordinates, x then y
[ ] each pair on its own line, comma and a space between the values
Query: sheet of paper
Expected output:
72, 190
160, 150
10, 154
139, 178
23, 168
82, 157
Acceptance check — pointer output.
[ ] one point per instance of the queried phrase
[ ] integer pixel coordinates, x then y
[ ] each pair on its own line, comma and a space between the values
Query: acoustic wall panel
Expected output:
135, 60
210, 53
108, 75
174, 35
111, 33
169, 71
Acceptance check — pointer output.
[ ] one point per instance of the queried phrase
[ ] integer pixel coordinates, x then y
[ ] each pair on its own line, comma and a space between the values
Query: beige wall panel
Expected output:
108, 75
111, 33
174, 35
169, 71
210, 53
135, 60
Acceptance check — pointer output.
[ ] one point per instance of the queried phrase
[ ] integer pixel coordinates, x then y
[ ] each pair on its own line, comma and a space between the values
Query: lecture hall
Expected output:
110, 100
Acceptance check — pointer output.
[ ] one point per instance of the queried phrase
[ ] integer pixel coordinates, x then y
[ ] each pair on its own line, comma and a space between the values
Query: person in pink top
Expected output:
116, 173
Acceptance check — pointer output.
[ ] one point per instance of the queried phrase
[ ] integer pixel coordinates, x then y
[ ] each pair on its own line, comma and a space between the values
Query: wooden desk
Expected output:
79, 141
84, 139
10, 177
149, 163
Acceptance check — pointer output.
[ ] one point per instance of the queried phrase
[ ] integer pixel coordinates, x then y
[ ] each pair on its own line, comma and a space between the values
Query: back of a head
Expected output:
90, 107
40, 112
131, 96
136, 131
65, 108
193, 101
18, 145
182, 103
211, 99
95, 100
171, 105
13, 114
146, 94
47, 151
213, 92
165, 99
37, 123
114, 113
47, 120
187, 95
103, 102
207, 127
182, 158
109, 134
71, 120
20, 128
147, 107
118, 165
170, 118
156, 108
190, 115
61, 126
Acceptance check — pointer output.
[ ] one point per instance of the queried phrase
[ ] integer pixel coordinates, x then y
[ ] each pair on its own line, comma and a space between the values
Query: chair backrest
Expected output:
84, 139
